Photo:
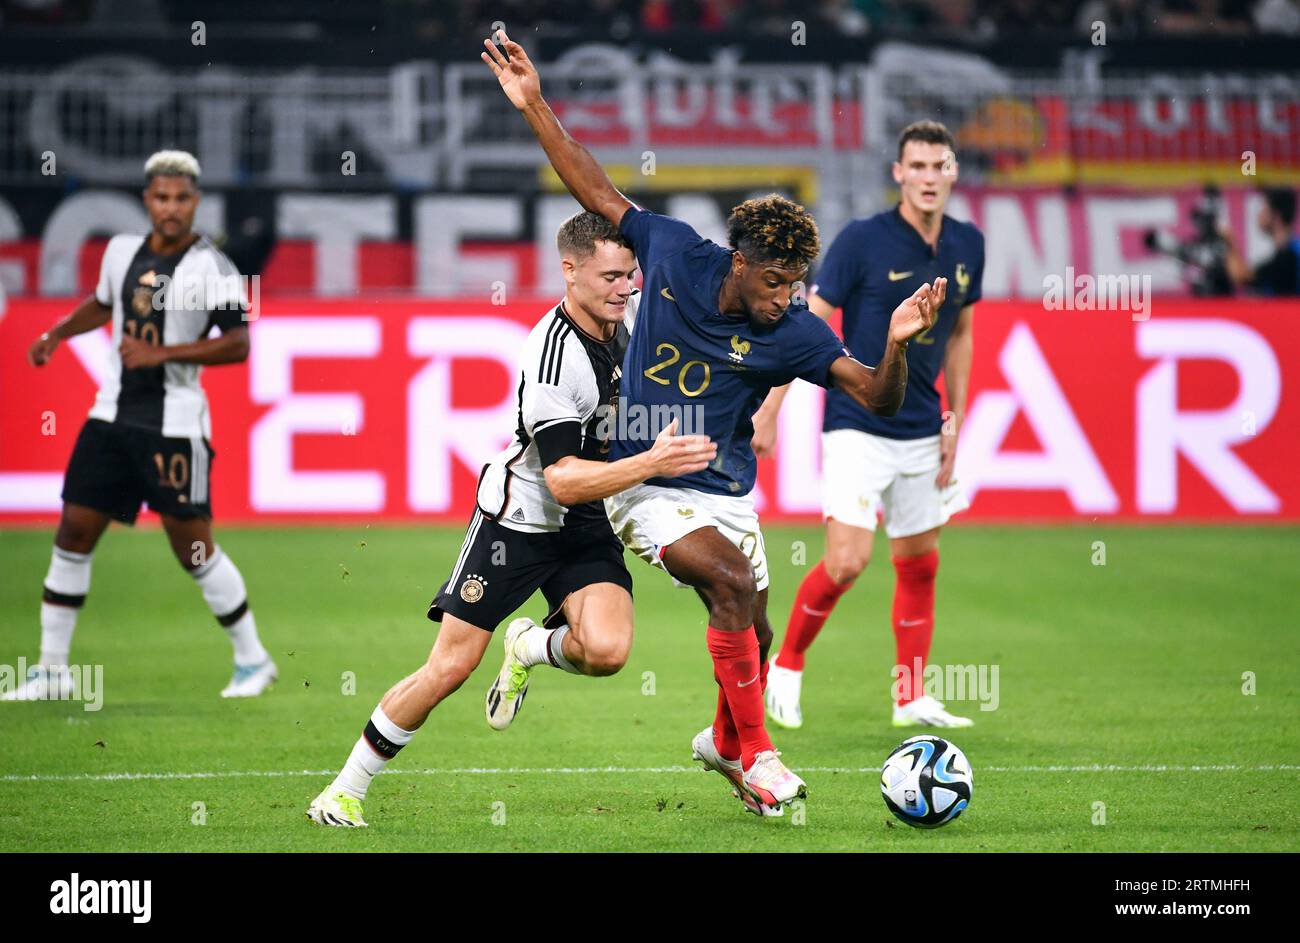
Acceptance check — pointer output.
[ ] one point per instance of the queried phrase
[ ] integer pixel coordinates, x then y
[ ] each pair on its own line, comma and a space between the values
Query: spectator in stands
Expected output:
1278, 16
1204, 16
1280, 274
844, 17
705, 15
1124, 19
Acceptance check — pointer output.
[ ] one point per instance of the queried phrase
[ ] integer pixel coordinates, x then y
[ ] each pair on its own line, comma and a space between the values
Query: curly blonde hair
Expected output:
773, 229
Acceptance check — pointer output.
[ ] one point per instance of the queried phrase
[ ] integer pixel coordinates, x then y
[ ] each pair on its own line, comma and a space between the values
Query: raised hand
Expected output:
918, 313
518, 77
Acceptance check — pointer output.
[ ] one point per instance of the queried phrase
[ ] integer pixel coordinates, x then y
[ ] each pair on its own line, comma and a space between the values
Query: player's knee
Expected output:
845, 564
445, 671
74, 537
733, 590
605, 656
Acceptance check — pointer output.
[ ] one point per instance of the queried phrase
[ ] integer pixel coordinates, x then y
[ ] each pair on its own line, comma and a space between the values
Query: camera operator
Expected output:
1280, 275
1205, 255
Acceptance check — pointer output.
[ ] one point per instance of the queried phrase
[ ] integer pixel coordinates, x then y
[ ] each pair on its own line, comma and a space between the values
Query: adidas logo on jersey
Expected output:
518, 515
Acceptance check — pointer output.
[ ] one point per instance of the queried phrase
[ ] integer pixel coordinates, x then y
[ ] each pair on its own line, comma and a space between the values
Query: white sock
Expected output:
223, 589
380, 742
57, 626
539, 646
243, 638
66, 584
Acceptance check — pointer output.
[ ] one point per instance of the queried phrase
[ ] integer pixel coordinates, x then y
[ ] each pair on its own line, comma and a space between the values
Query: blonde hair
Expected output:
172, 164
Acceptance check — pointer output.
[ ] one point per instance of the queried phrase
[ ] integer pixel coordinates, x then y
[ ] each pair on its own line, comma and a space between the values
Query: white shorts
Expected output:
863, 474
649, 518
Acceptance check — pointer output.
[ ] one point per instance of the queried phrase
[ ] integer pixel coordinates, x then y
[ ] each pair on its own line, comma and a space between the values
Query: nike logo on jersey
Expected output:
745, 684
897, 276
667, 294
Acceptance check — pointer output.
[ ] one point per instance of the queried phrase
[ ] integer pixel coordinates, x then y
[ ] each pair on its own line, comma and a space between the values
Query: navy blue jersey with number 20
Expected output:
874, 265
684, 354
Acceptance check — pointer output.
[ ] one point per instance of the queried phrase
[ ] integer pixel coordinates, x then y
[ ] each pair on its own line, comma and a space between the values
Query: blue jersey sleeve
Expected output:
977, 276
811, 348
843, 267
656, 237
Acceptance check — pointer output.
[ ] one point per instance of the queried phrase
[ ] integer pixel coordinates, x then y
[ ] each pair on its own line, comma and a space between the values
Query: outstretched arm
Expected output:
574, 165
573, 480
880, 389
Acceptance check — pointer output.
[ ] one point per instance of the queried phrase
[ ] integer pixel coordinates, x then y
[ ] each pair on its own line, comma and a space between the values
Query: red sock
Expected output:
736, 669
817, 596
914, 618
724, 728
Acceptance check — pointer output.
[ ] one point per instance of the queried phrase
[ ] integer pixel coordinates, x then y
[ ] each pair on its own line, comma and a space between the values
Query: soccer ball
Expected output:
926, 782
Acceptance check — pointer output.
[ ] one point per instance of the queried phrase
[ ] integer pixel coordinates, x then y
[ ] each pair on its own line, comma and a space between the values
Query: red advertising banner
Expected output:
374, 409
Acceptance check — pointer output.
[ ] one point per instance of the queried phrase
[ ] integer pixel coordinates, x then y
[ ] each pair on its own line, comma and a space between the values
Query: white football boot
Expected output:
925, 711
336, 808
706, 751
506, 696
43, 684
782, 697
770, 783
251, 680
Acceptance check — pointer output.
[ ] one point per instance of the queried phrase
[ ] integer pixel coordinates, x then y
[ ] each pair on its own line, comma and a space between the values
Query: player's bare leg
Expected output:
848, 551
595, 640
724, 578
67, 583
916, 562
223, 589
456, 652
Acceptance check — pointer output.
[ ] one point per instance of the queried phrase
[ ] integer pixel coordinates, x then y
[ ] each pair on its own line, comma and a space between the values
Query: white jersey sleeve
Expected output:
544, 403
557, 385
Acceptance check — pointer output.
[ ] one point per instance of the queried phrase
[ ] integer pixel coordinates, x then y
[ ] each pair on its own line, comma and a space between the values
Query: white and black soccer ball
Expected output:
926, 782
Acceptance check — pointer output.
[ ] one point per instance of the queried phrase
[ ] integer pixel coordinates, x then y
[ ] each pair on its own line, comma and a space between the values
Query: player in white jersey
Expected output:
147, 436
538, 522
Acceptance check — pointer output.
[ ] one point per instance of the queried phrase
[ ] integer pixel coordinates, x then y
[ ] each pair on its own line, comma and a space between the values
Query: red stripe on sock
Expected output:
737, 670
817, 596
913, 619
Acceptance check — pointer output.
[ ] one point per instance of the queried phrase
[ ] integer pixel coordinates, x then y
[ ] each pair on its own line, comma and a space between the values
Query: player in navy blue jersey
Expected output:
902, 464
716, 330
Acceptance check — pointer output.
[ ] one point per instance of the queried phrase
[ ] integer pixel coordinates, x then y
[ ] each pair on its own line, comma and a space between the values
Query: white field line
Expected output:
626, 770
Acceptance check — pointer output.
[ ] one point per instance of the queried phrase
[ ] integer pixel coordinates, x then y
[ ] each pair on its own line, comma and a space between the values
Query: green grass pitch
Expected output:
1120, 684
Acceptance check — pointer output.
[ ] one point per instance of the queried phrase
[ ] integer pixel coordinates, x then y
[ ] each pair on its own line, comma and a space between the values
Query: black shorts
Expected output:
115, 468
498, 569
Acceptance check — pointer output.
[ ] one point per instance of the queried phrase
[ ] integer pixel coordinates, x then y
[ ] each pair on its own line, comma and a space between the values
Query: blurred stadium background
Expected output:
361, 160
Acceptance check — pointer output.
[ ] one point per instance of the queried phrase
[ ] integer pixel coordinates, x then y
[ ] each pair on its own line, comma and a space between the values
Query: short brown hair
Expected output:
927, 132
579, 234
773, 229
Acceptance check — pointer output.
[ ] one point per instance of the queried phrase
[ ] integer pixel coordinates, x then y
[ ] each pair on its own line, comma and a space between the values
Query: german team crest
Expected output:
142, 297
472, 589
